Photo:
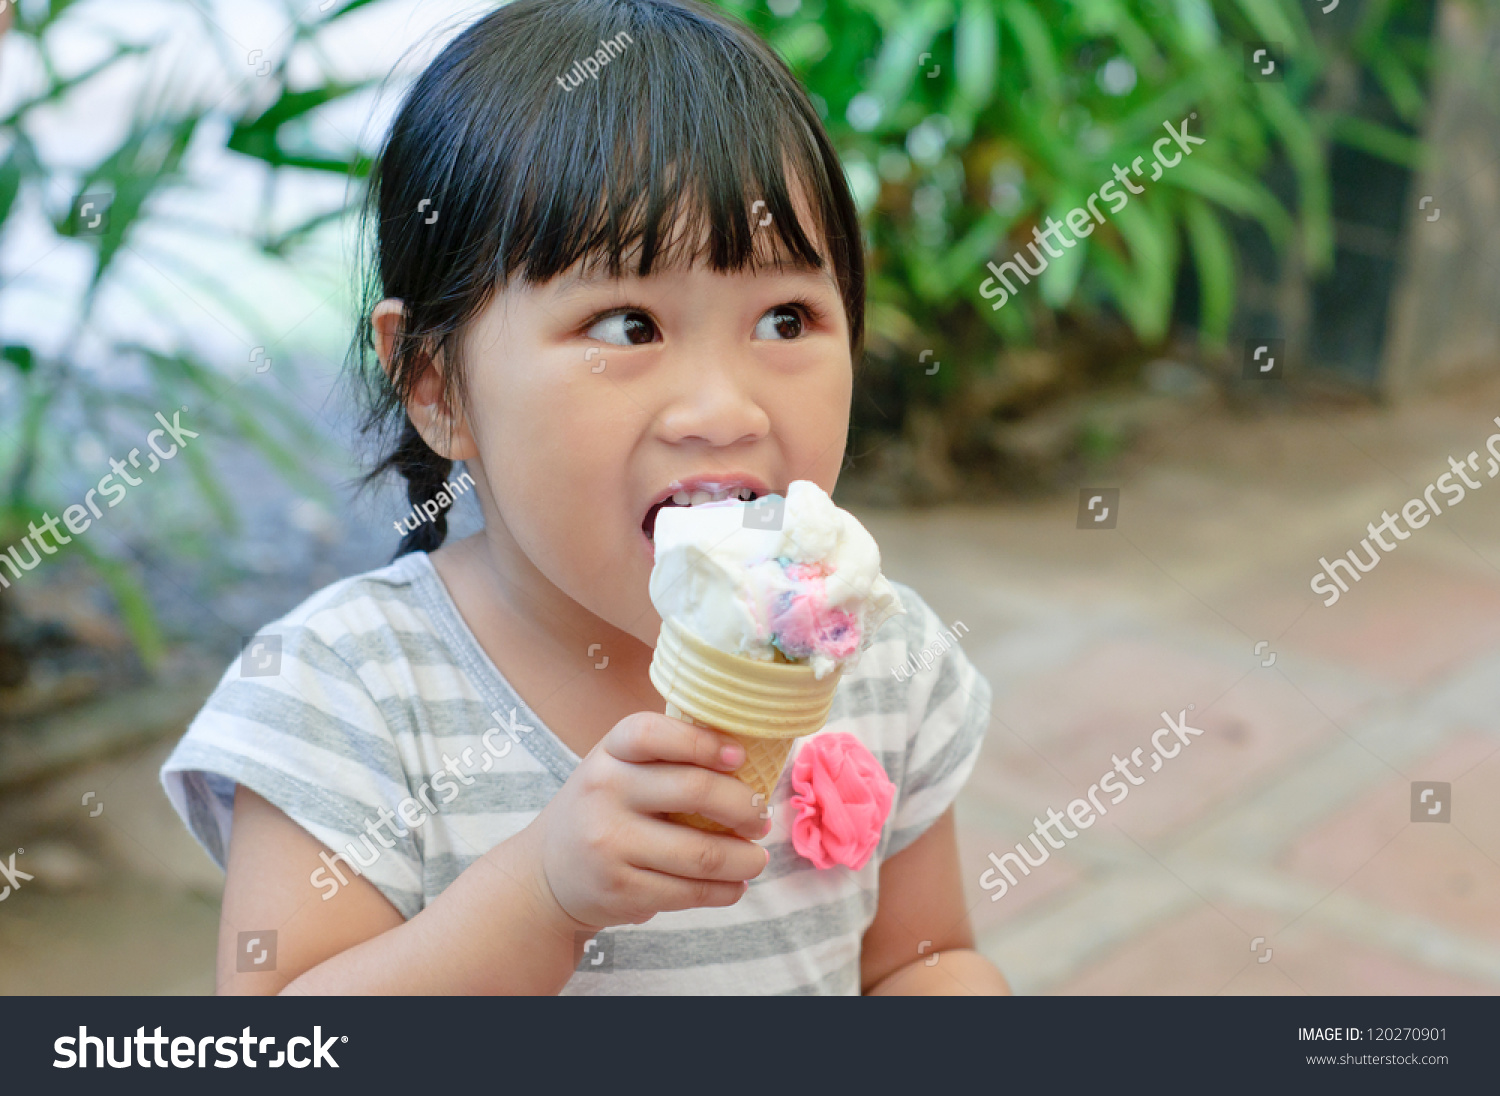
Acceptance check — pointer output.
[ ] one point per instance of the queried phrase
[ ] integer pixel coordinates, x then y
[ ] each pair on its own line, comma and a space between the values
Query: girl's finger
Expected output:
692, 854
689, 789
647, 736
662, 893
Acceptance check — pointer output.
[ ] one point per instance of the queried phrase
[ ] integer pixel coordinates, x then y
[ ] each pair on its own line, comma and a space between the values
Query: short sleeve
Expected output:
948, 710
293, 722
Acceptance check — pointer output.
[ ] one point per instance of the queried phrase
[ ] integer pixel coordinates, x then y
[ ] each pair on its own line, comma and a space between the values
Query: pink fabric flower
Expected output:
840, 799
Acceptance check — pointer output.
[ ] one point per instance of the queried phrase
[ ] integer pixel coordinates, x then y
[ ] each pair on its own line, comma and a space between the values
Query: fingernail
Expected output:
732, 755
769, 826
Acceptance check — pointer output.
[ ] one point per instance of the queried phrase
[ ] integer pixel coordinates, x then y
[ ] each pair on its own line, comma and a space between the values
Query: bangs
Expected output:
666, 161
618, 136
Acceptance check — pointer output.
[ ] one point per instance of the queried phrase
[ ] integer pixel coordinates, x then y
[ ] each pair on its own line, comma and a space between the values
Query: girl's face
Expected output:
592, 401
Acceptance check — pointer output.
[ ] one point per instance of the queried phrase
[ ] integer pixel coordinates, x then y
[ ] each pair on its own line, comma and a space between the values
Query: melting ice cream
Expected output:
795, 575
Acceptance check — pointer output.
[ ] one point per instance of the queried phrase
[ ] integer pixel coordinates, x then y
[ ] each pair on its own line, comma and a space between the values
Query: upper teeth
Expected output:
718, 494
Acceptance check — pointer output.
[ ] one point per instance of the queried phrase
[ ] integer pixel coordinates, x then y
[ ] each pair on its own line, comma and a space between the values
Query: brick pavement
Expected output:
1290, 818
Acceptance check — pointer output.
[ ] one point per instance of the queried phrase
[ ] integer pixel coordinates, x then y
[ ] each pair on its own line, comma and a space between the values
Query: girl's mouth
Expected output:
696, 494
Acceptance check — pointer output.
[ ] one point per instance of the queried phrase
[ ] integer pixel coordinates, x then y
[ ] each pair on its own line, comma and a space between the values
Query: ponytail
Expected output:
426, 474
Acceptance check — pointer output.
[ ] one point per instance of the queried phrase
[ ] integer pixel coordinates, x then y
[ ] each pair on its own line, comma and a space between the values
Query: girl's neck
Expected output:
580, 674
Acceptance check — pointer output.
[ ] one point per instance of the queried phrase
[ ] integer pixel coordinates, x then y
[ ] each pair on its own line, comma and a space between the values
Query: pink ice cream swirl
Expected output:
802, 622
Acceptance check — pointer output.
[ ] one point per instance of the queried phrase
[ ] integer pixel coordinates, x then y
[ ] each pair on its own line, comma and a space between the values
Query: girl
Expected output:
598, 286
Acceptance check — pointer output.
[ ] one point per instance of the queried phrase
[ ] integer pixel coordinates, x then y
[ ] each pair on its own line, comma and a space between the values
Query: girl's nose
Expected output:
711, 404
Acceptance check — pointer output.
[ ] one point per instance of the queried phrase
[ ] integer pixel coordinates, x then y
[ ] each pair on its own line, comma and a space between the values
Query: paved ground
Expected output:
1275, 854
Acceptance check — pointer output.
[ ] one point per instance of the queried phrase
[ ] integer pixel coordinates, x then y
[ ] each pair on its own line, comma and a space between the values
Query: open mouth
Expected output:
697, 494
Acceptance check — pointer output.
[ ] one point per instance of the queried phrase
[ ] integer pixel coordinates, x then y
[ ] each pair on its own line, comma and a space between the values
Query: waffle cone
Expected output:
764, 706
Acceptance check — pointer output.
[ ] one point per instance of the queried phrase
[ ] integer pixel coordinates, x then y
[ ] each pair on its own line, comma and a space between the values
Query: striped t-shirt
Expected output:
371, 716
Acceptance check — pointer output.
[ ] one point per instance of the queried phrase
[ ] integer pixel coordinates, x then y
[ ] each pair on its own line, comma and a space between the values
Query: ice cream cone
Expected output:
765, 706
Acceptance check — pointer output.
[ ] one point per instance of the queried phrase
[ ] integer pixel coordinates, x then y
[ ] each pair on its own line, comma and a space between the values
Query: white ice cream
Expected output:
811, 587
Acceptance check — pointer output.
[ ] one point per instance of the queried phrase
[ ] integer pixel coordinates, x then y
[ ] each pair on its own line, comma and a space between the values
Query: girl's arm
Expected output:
599, 853
921, 918
493, 930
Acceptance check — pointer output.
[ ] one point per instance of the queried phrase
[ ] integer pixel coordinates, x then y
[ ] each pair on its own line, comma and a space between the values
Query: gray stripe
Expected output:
668, 949
972, 726
493, 793
306, 646
869, 696
947, 682
201, 818
495, 692
385, 645
389, 587
296, 798
784, 861
458, 717
842, 983
294, 716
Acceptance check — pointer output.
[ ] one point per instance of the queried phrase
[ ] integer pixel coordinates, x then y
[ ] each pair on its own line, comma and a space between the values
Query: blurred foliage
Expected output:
104, 383
964, 123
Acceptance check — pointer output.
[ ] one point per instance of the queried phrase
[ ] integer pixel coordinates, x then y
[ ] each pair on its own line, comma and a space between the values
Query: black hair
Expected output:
522, 171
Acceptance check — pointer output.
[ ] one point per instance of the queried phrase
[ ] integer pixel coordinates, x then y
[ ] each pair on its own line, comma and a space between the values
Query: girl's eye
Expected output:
624, 329
782, 322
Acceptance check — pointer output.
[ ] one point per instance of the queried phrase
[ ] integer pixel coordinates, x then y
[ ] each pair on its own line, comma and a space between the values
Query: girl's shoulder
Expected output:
910, 653
318, 715
389, 598
916, 700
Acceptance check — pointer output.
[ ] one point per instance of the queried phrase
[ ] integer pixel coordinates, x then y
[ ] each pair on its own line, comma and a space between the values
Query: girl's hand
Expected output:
608, 854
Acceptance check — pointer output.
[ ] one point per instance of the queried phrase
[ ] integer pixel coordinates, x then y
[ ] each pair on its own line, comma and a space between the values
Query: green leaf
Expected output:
19, 356
1313, 188
148, 160
1215, 260
1236, 191
976, 44
1199, 28
209, 488
904, 43
135, 606
352, 5
1144, 286
244, 411
57, 89
1376, 139
959, 262
1037, 51
1272, 25
1399, 85
1060, 279
258, 136
10, 182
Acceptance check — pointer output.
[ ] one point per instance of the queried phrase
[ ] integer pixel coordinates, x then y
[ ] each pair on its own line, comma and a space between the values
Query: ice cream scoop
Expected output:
764, 604
794, 574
